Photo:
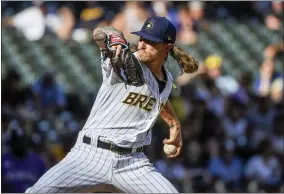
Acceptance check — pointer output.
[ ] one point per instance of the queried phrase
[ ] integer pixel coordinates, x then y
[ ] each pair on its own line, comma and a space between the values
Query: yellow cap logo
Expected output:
169, 38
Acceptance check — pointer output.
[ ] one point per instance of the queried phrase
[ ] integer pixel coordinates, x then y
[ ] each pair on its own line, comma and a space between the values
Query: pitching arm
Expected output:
168, 115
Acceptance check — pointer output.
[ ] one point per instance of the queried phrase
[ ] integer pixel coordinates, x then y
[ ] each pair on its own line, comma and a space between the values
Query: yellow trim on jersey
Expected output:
144, 102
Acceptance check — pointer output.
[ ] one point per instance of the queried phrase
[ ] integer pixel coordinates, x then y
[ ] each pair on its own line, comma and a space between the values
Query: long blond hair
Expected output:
187, 63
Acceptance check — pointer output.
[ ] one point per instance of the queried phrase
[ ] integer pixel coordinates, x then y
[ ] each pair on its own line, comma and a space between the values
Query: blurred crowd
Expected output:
233, 132
76, 20
233, 128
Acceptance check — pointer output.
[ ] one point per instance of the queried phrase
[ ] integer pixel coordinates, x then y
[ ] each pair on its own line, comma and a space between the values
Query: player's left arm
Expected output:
169, 116
123, 65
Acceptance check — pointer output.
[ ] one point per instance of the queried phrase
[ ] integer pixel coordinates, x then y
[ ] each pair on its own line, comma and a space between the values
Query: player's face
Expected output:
150, 51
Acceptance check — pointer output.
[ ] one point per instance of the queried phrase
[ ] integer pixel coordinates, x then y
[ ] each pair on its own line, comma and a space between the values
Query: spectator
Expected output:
212, 147
225, 83
207, 90
261, 117
197, 13
166, 9
213, 87
13, 93
276, 88
186, 33
177, 172
266, 76
49, 95
244, 92
93, 14
235, 123
192, 126
227, 167
60, 20
180, 17
130, 19
265, 168
31, 21
276, 91
278, 134
272, 50
198, 177
20, 167
42, 18
274, 19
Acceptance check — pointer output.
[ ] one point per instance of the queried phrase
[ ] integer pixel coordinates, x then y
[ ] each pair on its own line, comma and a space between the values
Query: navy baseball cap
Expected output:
158, 29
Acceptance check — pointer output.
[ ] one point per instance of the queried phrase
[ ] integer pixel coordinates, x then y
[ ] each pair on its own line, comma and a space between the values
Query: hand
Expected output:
118, 48
175, 139
270, 52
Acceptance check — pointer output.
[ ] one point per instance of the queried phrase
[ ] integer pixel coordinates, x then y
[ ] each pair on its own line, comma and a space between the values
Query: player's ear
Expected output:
167, 48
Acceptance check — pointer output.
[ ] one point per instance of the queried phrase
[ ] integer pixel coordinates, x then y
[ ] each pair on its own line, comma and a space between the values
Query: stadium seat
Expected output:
238, 43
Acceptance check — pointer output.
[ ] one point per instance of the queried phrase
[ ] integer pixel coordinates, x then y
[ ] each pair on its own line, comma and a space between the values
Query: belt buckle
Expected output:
133, 150
138, 149
111, 146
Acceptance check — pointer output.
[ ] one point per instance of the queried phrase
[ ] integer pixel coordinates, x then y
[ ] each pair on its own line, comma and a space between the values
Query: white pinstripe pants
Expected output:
87, 168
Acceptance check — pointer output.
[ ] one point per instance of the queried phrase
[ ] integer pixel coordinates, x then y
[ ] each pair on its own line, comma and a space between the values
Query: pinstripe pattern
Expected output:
76, 168
125, 125
134, 173
62, 168
94, 171
84, 166
88, 167
81, 175
114, 116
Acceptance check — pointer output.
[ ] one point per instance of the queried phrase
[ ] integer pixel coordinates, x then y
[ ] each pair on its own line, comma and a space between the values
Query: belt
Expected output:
112, 147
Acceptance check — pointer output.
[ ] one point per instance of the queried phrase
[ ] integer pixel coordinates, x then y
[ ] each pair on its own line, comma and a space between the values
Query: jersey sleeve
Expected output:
109, 75
106, 66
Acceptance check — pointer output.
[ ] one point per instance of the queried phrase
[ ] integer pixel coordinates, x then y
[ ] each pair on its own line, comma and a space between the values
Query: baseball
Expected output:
170, 149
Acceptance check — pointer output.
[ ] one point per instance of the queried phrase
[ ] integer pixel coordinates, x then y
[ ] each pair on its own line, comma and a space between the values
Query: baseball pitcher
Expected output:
108, 154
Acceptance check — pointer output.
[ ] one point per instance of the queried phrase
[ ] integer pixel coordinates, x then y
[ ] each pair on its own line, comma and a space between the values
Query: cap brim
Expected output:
147, 36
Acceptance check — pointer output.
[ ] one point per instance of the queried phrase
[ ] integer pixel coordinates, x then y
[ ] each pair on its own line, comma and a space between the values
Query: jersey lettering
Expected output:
150, 104
143, 101
131, 98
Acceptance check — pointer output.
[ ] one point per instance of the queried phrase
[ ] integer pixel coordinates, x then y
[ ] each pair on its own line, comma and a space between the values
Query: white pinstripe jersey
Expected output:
125, 114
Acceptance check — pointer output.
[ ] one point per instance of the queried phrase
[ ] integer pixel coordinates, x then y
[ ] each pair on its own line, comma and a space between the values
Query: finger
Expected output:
118, 50
113, 47
178, 151
169, 141
176, 154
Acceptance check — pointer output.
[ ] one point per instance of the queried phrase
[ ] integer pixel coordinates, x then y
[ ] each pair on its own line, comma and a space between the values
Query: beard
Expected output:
144, 57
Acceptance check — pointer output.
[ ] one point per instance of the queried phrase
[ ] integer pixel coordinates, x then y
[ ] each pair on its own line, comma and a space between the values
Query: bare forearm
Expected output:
168, 115
175, 137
